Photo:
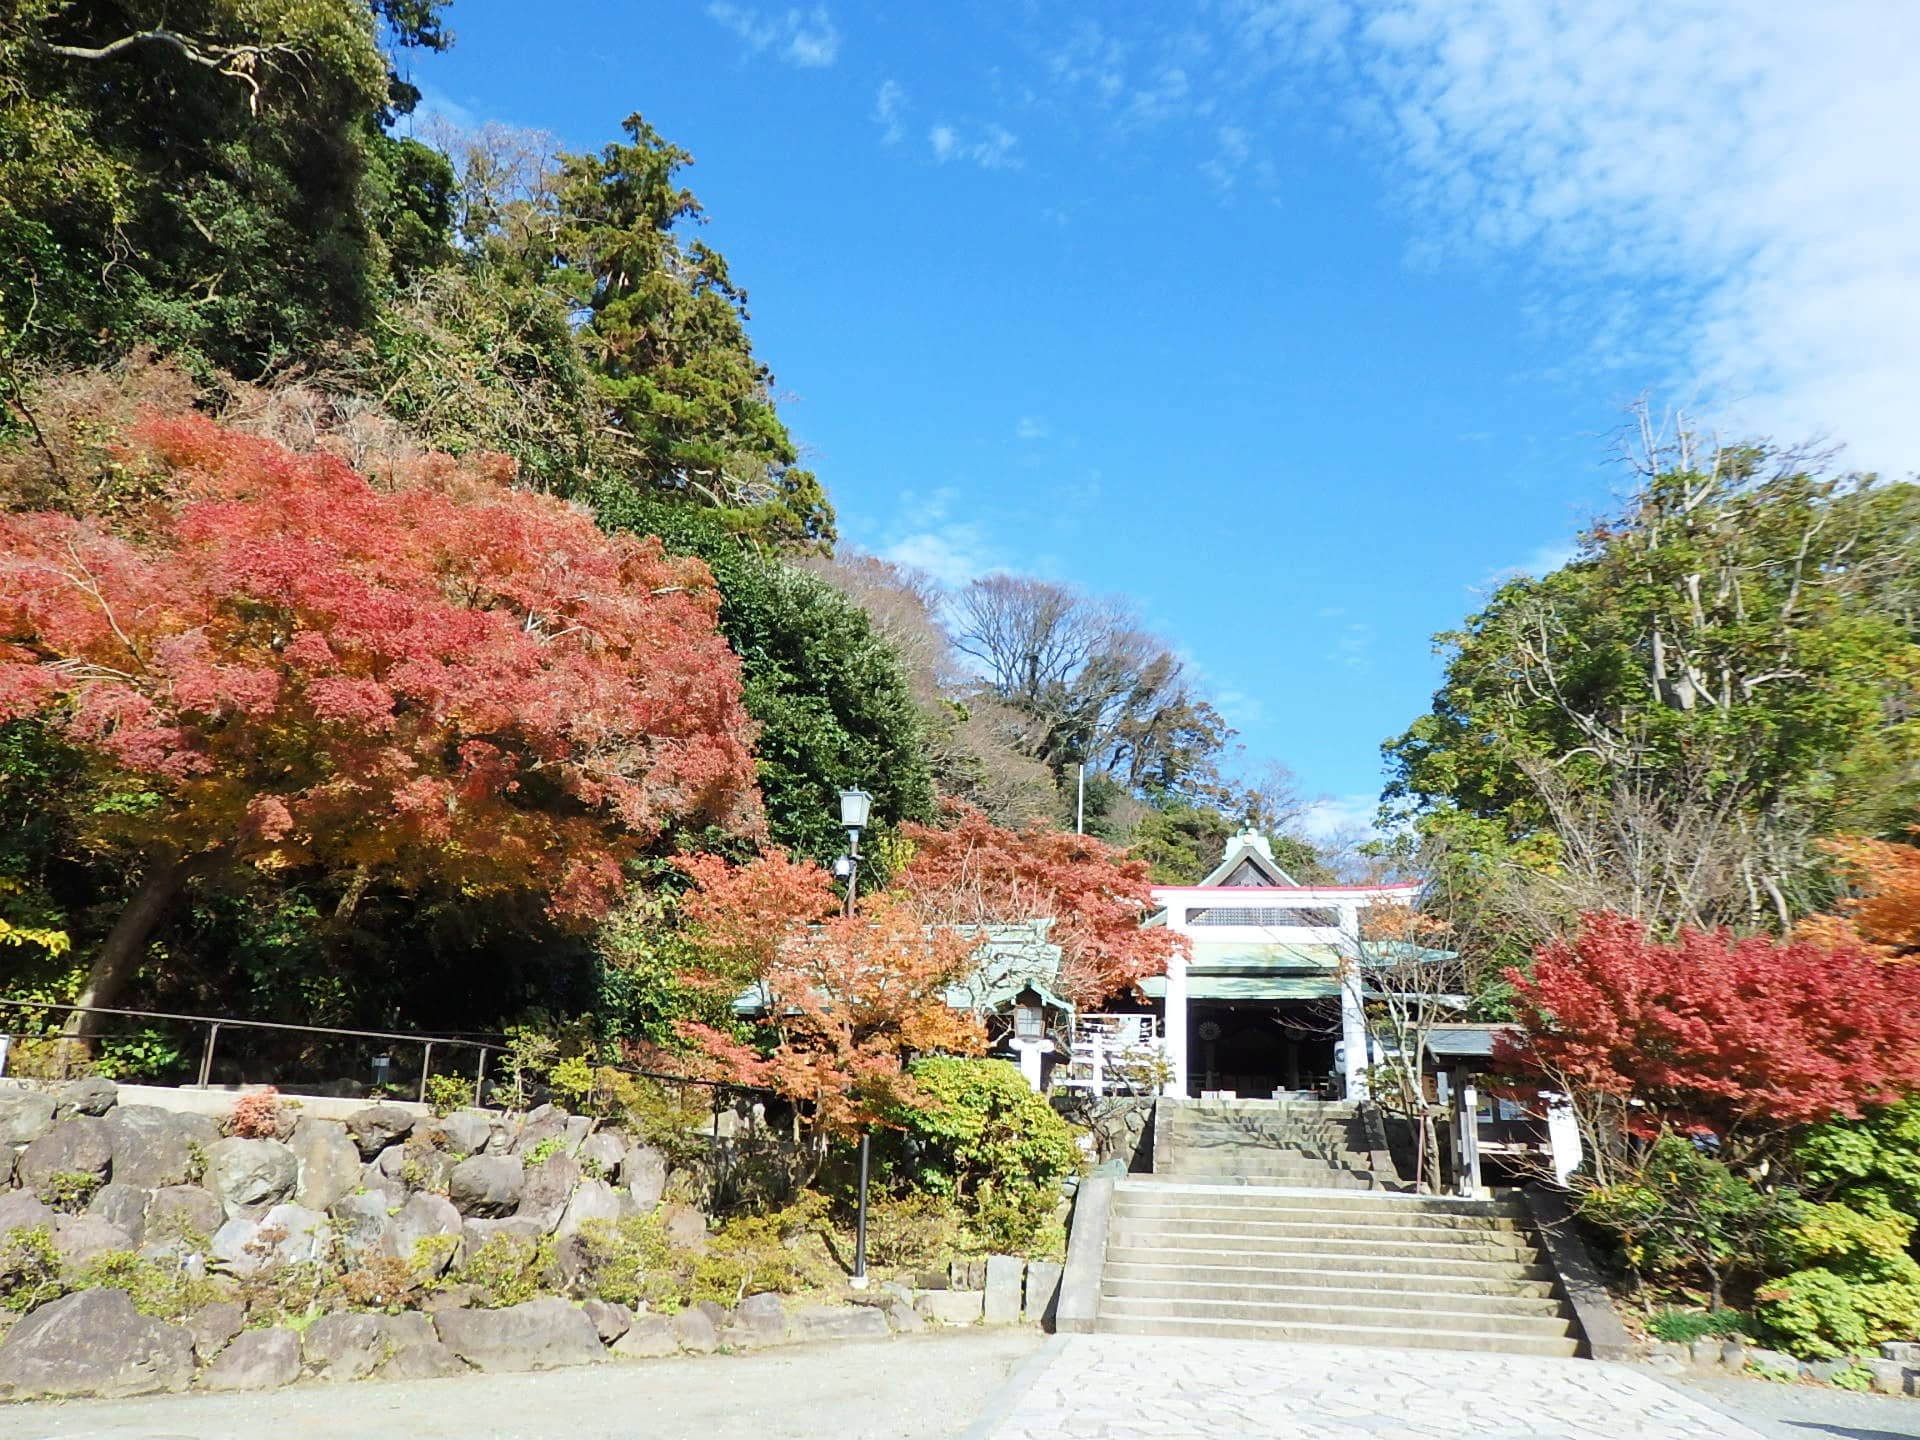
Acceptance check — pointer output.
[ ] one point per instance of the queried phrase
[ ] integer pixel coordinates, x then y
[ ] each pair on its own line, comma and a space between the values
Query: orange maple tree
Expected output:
976, 872
276, 663
842, 1001
1882, 912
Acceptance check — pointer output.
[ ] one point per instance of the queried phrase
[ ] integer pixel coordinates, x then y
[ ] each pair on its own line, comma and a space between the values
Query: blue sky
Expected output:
1297, 322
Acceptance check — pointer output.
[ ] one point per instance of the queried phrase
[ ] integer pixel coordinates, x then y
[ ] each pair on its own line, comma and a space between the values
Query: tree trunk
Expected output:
120, 954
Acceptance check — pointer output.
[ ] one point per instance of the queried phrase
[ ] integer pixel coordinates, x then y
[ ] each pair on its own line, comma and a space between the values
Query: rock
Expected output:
284, 1235
968, 1274
840, 1322
343, 1346
432, 1361
602, 1153
1774, 1363
390, 1163
1733, 1355
22, 1210
686, 1227
328, 1163
694, 1330
904, 1318
257, 1360
651, 1336
409, 1327
93, 1095
549, 1185
1001, 1303
1043, 1286
378, 1126
592, 1200
1889, 1376
182, 1212
124, 1206
931, 1280
474, 1234
758, 1321
25, 1115
543, 1123
1666, 1364
157, 1148
1826, 1371
421, 1219
1907, 1352
93, 1342
360, 1221
644, 1172
612, 1321
1705, 1350
80, 1238
951, 1307
213, 1325
487, 1185
448, 1295
250, 1175
544, 1334
467, 1131
79, 1146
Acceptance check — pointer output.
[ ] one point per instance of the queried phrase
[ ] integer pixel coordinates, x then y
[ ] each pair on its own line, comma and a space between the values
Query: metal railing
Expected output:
215, 1024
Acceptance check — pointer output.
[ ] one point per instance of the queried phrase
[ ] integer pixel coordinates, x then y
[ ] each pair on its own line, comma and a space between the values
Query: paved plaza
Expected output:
1126, 1387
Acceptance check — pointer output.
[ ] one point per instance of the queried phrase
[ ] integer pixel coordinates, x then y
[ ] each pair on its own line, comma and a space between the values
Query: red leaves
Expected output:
976, 872
1716, 1032
846, 999
447, 680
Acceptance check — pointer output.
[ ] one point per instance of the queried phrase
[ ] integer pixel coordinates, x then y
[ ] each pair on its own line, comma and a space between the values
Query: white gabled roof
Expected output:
1249, 862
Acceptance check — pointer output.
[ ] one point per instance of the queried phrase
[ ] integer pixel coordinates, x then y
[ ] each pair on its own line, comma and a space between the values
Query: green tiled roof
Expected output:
1272, 986
1237, 956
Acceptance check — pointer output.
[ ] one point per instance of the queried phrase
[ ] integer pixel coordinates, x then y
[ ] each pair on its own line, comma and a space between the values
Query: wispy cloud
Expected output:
991, 147
1031, 427
806, 38
890, 107
925, 535
1333, 819
1352, 647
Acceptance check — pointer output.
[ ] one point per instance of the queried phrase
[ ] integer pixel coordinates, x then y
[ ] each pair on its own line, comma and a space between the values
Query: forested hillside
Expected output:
306, 717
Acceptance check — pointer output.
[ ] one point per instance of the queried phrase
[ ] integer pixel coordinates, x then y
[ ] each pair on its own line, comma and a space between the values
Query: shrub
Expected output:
29, 1268
448, 1093
256, 1115
508, 1271
913, 1232
1859, 1161
1683, 1326
764, 1254
380, 1282
69, 1190
980, 1135
1856, 1285
165, 1289
631, 1263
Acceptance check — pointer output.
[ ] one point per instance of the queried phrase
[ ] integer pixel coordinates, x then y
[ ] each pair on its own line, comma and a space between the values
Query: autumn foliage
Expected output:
976, 872
442, 679
1882, 914
845, 1001
1718, 1033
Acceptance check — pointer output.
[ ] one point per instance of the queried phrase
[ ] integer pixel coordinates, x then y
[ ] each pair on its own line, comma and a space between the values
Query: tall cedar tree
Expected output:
1738, 1037
443, 681
977, 872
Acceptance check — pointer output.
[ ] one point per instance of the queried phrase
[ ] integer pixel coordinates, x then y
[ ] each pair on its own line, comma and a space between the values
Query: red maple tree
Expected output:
842, 1001
1718, 1033
976, 872
278, 664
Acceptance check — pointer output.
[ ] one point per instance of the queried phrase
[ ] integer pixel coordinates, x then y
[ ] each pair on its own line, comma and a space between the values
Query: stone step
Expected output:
1178, 1109
1159, 1190
1332, 1225
1407, 1338
1213, 1296
1263, 1260
1317, 1312
1533, 1282
1276, 1167
1235, 1219
1371, 1240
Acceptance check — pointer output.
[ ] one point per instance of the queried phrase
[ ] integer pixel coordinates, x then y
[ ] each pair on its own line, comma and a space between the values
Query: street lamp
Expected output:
856, 808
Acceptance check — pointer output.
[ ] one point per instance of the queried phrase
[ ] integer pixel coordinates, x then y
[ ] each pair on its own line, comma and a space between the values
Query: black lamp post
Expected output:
856, 808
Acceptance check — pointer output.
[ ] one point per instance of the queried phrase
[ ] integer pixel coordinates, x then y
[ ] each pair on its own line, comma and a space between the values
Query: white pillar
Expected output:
1563, 1136
1353, 1010
1176, 1026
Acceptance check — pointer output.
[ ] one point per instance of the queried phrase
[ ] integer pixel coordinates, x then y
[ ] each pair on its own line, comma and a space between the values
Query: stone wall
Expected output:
91, 1179
1119, 1127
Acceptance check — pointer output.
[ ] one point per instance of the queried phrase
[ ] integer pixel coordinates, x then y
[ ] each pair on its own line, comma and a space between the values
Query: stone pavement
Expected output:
1128, 1387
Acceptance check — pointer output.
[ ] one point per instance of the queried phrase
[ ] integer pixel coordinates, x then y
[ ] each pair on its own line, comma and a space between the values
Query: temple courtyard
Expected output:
1010, 1385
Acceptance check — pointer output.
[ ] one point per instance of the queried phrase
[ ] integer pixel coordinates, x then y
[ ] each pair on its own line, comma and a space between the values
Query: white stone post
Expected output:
1353, 1009
1176, 1027
1466, 1140
1563, 1136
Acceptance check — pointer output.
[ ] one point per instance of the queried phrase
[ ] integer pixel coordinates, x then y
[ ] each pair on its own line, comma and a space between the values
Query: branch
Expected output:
235, 61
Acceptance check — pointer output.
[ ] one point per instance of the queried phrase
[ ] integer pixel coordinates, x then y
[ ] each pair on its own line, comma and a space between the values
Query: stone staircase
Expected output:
1265, 1221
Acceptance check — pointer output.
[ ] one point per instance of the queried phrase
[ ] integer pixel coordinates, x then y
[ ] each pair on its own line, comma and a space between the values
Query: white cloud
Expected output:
806, 38
1734, 181
991, 148
925, 536
890, 112
1334, 818
1031, 427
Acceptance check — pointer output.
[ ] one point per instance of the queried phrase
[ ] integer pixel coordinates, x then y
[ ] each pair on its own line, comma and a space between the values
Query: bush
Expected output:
69, 1190
448, 1093
256, 1115
913, 1232
979, 1134
507, 1271
1856, 1284
630, 1262
1684, 1326
764, 1254
29, 1269
164, 1289
1876, 1158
